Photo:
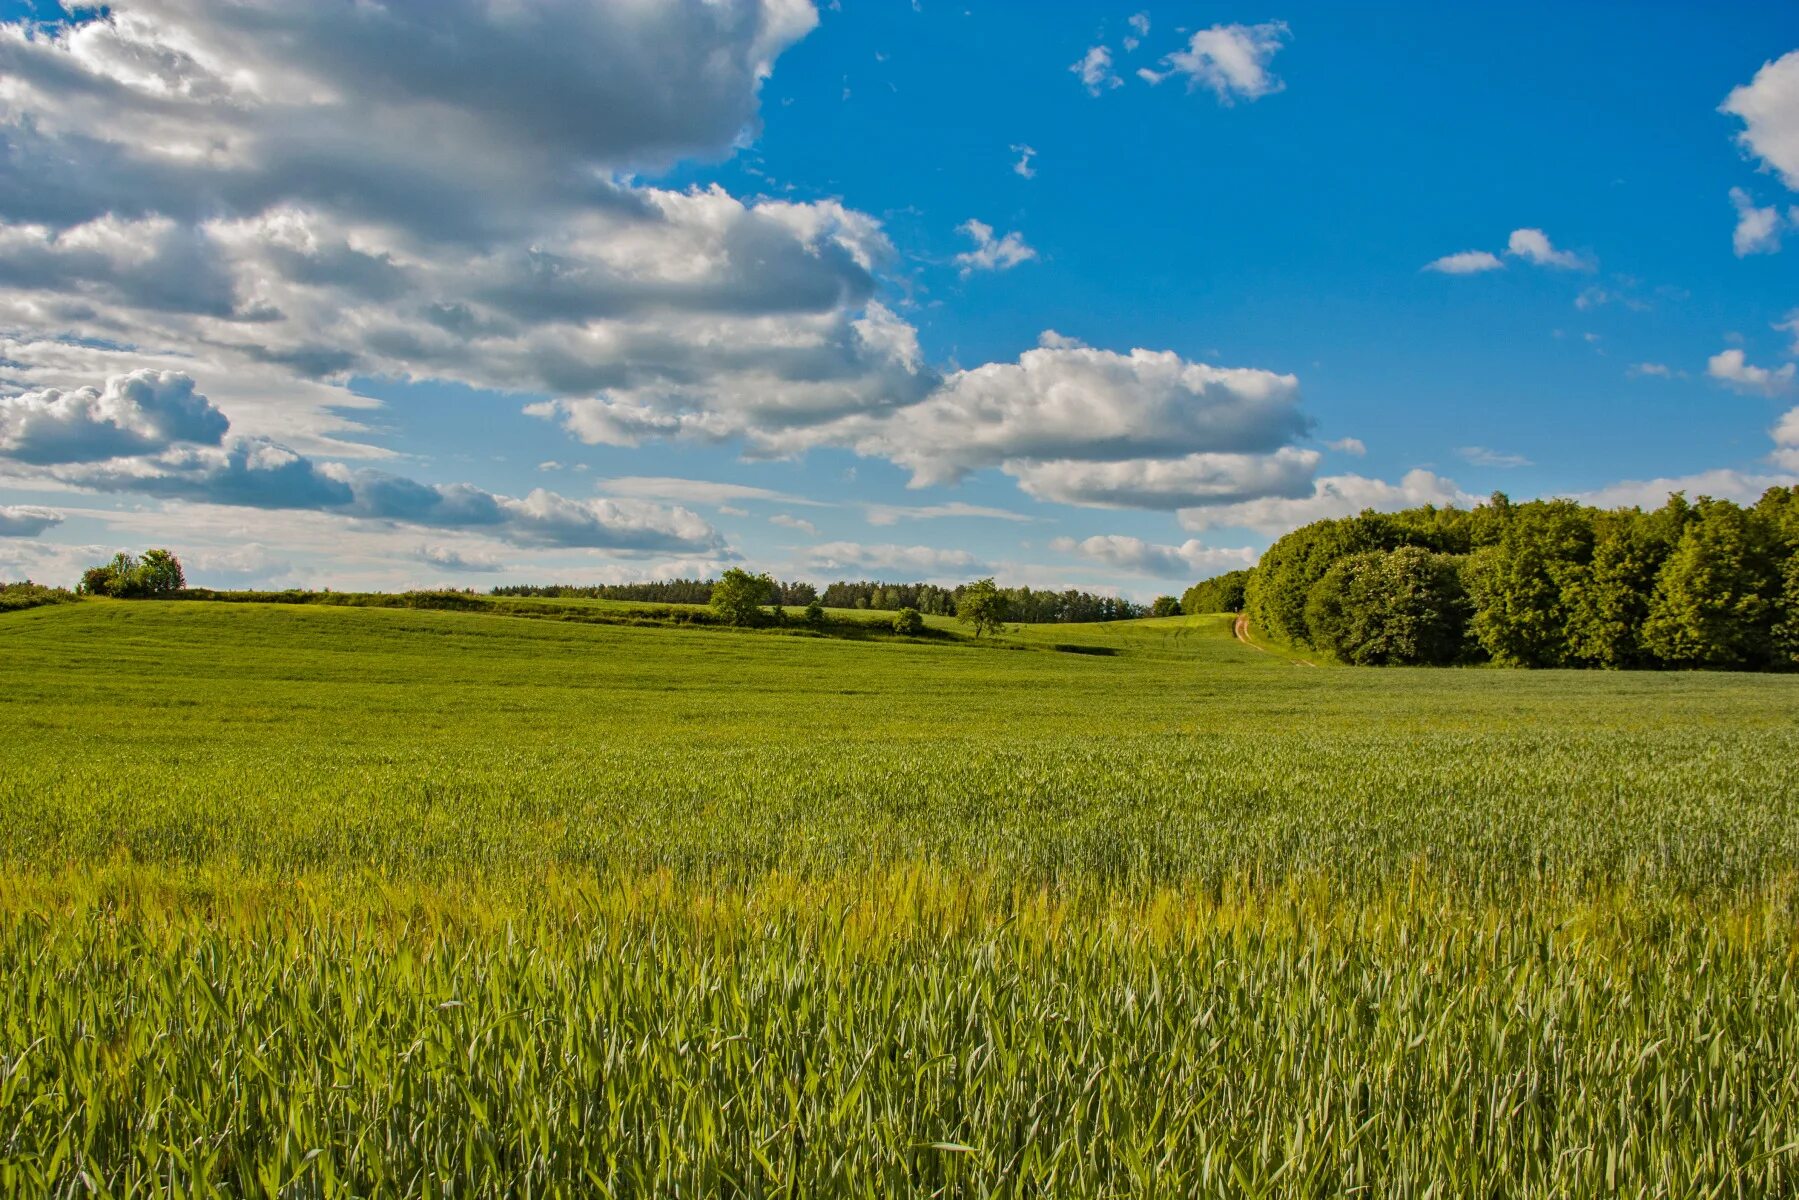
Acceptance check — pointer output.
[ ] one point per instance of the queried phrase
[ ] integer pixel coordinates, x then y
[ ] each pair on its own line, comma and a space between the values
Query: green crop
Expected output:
320, 901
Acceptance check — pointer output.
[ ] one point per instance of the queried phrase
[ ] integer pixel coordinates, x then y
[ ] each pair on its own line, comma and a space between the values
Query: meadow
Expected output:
306, 900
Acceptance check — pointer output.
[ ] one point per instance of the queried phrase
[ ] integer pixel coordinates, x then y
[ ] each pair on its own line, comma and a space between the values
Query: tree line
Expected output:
1548, 583
1022, 603
665, 591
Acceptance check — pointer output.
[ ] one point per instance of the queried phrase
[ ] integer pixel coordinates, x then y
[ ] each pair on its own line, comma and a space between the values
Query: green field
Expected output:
309, 900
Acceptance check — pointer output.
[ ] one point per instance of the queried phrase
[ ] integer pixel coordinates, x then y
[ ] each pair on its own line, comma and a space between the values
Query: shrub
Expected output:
1390, 608
815, 614
157, 574
17, 596
908, 623
738, 596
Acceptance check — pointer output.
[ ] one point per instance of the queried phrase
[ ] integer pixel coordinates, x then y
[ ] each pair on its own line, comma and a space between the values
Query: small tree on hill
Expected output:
1165, 606
907, 622
983, 606
157, 573
738, 596
815, 614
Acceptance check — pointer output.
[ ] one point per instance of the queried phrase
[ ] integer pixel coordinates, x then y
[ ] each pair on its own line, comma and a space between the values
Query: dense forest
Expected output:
667, 591
1022, 604
1549, 583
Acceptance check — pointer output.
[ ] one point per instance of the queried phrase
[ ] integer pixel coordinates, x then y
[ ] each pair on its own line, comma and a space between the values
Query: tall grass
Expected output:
349, 902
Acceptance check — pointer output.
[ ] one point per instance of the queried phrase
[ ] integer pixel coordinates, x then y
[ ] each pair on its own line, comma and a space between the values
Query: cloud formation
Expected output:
1331, 496
1190, 560
142, 412
1095, 71
1467, 262
989, 253
27, 521
1769, 107
1231, 60
1731, 368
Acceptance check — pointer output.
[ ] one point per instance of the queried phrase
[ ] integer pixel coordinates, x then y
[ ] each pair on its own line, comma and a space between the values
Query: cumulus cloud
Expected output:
1095, 71
1170, 483
1190, 559
1231, 60
1332, 496
1769, 108
1731, 368
1077, 403
1139, 26
1758, 229
1534, 247
27, 521
989, 253
1786, 441
1650, 370
1348, 445
1023, 166
1467, 262
141, 412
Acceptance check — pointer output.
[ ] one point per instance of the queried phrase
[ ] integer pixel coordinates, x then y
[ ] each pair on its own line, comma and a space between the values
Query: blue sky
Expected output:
625, 290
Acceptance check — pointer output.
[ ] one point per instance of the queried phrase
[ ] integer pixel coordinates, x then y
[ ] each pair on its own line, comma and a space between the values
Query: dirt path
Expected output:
1241, 629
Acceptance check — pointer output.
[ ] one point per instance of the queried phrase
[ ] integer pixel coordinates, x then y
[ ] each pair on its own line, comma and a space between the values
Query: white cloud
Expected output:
1139, 25
1332, 496
1170, 483
990, 254
1791, 325
1769, 108
1086, 405
1651, 369
1231, 60
1533, 246
927, 562
1023, 166
449, 558
1722, 484
1467, 262
142, 412
1480, 456
1758, 229
24, 520
1786, 441
1095, 70
785, 521
1189, 560
695, 491
893, 514
1731, 368
1348, 445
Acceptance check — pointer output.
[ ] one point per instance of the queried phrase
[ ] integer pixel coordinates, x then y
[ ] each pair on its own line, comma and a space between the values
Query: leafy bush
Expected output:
908, 623
738, 596
1165, 606
1390, 608
157, 574
17, 596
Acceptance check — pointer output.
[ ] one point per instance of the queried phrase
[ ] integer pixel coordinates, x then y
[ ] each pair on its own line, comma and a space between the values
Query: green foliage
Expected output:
156, 575
1403, 607
17, 596
738, 596
815, 613
1222, 593
1549, 584
982, 607
518, 907
1165, 606
908, 623
1023, 604
1716, 599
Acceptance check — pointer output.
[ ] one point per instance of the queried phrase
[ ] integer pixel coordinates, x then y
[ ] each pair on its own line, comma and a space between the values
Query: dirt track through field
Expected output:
1241, 629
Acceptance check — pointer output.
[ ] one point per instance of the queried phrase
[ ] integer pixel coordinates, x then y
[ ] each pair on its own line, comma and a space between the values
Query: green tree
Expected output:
907, 622
983, 606
158, 573
1518, 583
1165, 606
815, 613
1277, 591
1390, 608
1608, 601
1716, 599
1222, 593
738, 596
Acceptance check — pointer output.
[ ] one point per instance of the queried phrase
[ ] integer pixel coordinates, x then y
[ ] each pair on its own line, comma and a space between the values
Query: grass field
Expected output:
333, 901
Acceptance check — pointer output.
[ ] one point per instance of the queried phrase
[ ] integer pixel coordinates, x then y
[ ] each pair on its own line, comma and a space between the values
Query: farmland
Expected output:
331, 900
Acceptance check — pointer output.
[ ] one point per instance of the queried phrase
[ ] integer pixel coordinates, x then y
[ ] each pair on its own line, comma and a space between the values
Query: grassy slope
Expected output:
1182, 917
